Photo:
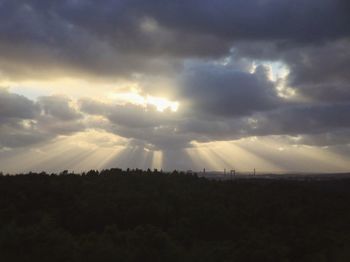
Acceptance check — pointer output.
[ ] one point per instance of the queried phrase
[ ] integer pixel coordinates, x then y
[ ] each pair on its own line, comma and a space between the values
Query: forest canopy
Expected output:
136, 215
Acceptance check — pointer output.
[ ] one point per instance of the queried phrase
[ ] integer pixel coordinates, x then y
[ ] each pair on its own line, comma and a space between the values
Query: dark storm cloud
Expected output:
258, 19
58, 107
59, 116
146, 125
225, 101
221, 90
313, 122
116, 37
326, 124
24, 122
318, 72
304, 119
320, 64
16, 106
316, 124
12, 138
338, 137
129, 115
17, 120
35, 36
322, 73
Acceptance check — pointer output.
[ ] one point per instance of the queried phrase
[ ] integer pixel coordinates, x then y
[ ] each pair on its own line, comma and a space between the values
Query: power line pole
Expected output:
232, 173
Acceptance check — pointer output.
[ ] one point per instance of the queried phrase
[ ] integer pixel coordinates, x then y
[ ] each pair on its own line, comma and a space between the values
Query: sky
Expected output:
187, 84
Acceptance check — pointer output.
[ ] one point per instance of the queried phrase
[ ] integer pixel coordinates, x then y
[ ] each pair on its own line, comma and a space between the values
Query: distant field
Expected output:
278, 176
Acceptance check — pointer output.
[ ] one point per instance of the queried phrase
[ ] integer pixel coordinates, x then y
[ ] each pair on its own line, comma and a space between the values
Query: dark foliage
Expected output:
136, 215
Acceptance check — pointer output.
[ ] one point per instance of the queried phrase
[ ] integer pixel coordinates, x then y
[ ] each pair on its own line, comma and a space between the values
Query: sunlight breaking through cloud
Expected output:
160, 103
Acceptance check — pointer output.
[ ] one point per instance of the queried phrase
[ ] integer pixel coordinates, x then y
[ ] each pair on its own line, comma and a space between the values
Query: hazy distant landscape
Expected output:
135, 215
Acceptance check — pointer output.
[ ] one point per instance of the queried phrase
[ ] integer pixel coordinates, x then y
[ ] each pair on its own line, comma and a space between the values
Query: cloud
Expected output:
303, 119
220, 90
206, 49
311, 122
316, 72
320, 73
129, 115
118, 38
16, 106
24, 122
18, 117
146, 125
339, 137
299, 20
53, 116
59, 107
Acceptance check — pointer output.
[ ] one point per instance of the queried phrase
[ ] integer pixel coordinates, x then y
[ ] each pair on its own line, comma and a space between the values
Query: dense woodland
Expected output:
135, 215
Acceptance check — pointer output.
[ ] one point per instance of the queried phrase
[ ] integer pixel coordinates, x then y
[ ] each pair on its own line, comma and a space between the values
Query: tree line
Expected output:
145, 215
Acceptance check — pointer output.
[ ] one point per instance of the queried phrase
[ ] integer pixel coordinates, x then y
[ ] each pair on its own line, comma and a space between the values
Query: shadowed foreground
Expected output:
150, 216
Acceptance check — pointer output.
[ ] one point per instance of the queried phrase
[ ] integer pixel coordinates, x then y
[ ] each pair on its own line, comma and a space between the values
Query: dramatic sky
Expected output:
185, 84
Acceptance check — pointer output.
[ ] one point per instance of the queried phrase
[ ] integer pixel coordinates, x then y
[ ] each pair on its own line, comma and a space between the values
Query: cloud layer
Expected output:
237, 69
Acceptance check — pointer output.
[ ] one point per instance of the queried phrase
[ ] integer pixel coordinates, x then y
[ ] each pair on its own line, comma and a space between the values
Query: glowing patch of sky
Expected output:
134, 97
97, 149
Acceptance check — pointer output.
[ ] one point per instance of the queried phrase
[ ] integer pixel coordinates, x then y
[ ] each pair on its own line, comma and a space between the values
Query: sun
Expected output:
160, 103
